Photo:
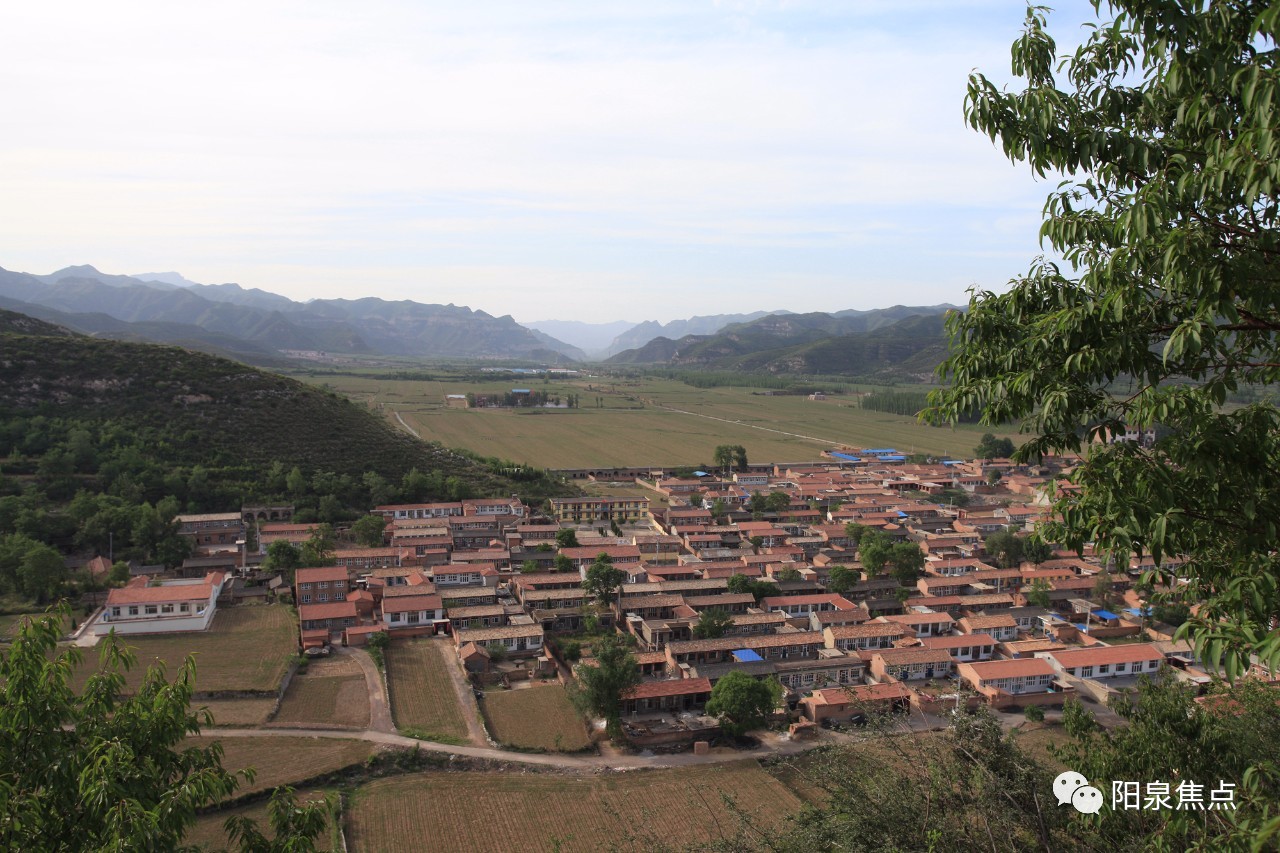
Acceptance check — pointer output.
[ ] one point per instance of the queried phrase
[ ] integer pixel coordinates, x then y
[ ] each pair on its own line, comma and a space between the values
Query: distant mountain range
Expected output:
268, 329
902, 341
256, 326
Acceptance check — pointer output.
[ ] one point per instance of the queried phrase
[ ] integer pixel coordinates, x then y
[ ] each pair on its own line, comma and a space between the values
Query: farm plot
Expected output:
500, 812
238, 712
246, 648
424, 702
332, 692
208, 833
539, 717
285, 760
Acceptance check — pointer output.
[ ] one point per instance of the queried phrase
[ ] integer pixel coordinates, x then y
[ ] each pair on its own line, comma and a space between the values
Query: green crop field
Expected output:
642, 422
423, 699
480, 812
538, 717
246, 648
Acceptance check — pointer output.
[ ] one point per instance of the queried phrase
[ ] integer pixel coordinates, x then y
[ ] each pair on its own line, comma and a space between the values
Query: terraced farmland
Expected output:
538, 717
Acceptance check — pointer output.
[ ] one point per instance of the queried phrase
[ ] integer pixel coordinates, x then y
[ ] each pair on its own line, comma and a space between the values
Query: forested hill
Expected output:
21, 324
900, 342
184, 409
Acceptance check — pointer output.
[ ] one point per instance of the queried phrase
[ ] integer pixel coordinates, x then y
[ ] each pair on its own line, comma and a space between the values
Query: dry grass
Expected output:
238, 712
286, 760
246, 648
539, 717
480, 812
332, 692
423, 698
207, 833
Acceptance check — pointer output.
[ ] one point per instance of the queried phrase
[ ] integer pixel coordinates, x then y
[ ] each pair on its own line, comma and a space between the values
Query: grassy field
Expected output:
650, 422
480, 812
535, 717
332, 692
208, 832
423, 699
286, 760
246, 648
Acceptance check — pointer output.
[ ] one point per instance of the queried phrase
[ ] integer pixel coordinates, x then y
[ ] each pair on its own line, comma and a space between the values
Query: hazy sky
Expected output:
588, 160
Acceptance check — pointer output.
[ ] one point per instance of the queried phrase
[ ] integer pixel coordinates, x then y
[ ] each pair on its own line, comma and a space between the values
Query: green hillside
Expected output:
887, 344
215, 412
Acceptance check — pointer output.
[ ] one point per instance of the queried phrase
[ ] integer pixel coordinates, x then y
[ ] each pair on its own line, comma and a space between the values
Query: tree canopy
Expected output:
1165, 304
603, 683
96, 769
603, 579
743, 703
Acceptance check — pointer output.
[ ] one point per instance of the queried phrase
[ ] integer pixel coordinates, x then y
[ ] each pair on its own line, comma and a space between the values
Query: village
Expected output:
767, 570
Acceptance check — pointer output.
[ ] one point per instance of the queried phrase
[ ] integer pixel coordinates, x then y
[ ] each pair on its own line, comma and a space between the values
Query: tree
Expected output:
743, 703
729, 456
1166, 304
603, 579
566, 538
1036, 550
1034, 714
756, 543
874, 551
368, 530
712, 624
119, 575
294, 826
603, 683
98, 769
1006, 547
855, 532
788, 575
528, 567
282, 556
719, 508
318, 549
1038, 595
908, 562
841, 579
562, 564
991, 447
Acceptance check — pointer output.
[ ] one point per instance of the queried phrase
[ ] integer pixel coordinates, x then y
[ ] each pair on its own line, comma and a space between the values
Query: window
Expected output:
413, 618
151, 610
394, 617
133, 611
322, 585
115, 611
1086, 672
1104, 668
306, 599
185, 608
166, 608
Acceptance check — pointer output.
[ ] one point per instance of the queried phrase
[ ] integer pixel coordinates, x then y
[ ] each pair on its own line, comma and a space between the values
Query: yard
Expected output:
537, 717
424, 702
331, 692
499, 812
247, 648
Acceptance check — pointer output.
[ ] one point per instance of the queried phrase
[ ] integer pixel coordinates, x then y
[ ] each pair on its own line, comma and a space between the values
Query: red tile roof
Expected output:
672, 687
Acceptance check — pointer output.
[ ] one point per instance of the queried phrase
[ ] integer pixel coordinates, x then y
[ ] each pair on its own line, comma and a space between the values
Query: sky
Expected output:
589, 161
